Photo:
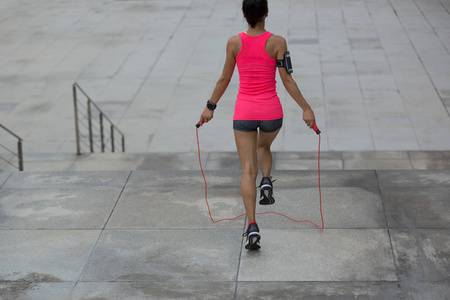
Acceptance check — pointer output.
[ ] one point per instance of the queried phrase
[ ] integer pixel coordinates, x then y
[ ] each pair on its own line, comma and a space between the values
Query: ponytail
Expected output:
254, 11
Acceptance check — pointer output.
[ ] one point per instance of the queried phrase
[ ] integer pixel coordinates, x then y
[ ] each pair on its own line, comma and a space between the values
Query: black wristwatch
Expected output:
210, 105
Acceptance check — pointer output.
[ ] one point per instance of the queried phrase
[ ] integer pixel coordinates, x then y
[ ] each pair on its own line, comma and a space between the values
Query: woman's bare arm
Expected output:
233, 46
290, 84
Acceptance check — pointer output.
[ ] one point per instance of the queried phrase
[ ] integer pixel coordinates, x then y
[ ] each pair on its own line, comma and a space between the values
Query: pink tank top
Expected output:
257, 98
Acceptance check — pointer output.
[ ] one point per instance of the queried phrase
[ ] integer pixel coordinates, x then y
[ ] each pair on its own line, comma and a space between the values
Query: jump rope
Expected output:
316, 129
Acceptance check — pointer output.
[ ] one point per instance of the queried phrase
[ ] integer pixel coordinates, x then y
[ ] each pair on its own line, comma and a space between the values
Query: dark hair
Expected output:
254, 11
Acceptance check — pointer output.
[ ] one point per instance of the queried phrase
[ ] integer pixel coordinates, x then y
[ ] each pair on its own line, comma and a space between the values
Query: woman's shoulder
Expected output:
276, 44
234, 39
277, 39
234, 44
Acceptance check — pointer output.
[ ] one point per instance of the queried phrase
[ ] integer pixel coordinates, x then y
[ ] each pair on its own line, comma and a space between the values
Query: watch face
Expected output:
210, 105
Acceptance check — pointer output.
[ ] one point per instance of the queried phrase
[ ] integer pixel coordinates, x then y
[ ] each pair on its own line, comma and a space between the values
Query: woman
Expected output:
256, 52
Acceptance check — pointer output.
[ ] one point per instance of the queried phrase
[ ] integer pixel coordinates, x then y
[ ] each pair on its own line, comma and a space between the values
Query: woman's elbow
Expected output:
288, 81
225, 79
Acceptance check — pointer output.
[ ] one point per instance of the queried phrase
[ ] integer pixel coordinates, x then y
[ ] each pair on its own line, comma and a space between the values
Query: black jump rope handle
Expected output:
315, 128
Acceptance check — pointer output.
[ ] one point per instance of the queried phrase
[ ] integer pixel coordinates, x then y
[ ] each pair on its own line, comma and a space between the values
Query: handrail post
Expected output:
20, 154
19, 149
91, 126
102, 137
77, 129
112, 138
91, 139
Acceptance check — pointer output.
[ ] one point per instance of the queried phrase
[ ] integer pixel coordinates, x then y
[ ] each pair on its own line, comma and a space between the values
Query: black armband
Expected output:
286, 62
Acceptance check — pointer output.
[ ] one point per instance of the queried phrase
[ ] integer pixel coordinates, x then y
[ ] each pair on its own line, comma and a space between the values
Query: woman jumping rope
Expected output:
258, 115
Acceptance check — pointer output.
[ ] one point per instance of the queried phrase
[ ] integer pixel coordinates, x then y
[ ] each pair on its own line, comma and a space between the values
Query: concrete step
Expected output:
379, 160
147, 234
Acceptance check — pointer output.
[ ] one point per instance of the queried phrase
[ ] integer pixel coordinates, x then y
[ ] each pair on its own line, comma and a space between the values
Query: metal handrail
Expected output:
19, 153
90, 106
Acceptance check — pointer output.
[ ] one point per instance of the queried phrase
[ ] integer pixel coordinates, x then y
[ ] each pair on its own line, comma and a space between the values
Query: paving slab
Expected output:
307, 161
394, 143
385, 160
45, 255
366, 251
360, 144
8, 162
155, 178
67, 180
168, 161
336, 259
158, 54
56, 208
106, 162
426, 290
232, 178
430, 160
49, 165
161, 255
189, 290
396, 178
282, 160
318, 290
176, 208
328, 178
36, 290
221, 161
422, 255
417, 207
347, 207
3, 177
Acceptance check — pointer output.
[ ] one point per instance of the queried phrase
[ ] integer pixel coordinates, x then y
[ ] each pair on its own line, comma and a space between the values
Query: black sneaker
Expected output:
253, 237
267, 196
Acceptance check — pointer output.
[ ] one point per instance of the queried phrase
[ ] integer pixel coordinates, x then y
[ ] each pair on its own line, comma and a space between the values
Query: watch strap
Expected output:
210, 105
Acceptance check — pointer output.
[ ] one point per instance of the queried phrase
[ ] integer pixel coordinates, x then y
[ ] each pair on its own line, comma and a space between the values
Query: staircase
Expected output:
94, 131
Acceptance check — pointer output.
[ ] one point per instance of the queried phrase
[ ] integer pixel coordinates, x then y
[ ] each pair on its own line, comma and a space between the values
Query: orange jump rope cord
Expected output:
263, 213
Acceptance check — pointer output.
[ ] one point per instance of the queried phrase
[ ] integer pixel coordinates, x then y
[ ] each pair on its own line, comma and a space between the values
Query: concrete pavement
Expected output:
135, 225
376, 72
147, 235
334, 160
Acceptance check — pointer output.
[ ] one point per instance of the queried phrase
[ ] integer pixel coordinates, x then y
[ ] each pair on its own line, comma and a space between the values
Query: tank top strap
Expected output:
254, 44
259, 39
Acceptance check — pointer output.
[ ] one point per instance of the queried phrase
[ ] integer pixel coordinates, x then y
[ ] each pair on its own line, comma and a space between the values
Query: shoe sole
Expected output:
266, 196
253, 242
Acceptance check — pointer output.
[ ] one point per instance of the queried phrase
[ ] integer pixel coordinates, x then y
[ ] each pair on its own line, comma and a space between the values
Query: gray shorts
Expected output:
252, 125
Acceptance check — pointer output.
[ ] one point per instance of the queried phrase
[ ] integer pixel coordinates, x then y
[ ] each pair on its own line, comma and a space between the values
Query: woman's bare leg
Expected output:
264, 142
246, 147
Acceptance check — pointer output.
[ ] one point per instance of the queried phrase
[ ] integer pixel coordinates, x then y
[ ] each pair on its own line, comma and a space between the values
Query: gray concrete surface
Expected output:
335, 160
147, 235
135, 225
376, 72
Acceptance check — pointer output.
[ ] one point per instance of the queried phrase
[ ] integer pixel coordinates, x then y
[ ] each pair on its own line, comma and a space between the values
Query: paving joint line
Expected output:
101, 233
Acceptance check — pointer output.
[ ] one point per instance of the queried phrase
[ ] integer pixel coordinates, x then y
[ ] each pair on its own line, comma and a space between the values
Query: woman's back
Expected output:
257, 98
